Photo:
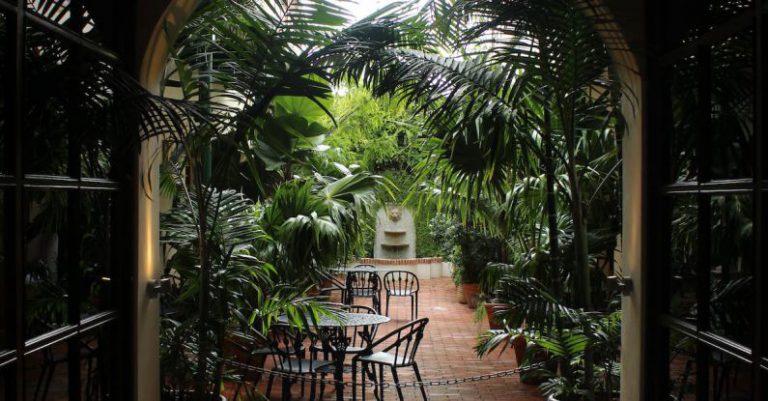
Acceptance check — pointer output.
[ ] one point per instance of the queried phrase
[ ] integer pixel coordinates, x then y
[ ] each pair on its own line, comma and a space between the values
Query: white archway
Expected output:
151, 73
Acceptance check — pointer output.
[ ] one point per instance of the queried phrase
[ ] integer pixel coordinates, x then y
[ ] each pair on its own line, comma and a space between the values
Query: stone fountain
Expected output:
395, 233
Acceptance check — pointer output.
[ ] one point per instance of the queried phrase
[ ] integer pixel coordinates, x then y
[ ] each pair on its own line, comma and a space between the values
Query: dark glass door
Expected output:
66, 207
705, 255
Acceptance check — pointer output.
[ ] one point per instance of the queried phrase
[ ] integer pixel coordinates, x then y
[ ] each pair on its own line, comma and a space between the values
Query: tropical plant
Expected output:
316, 221
564, 335
477, 250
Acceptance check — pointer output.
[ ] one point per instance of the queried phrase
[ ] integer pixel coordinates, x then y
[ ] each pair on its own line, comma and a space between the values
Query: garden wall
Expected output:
424, 268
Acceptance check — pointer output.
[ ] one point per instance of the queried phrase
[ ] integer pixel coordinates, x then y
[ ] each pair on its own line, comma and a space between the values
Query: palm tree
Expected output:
520, 53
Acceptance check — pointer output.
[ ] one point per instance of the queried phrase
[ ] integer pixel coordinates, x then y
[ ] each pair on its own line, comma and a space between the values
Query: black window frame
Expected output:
117, 323
660, 191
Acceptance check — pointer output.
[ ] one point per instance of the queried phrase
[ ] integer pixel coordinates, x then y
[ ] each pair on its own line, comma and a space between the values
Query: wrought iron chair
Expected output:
244, 353
331, 285
399, 352
364, 284
288, 359
401, 283
360, 338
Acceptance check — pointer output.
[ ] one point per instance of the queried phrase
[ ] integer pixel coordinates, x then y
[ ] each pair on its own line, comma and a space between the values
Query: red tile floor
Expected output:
446, 352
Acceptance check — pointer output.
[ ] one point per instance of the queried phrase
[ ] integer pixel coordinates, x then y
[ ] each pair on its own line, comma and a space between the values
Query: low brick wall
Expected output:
424, 268
397, 262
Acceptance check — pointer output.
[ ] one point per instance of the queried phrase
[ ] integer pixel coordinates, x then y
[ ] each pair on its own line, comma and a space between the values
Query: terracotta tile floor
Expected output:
446, 352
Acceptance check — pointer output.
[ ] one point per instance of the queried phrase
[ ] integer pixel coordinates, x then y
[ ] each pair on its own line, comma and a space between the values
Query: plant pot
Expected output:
605, 396
460, 295
174, 395
236, 350
490, 309
519, 345
471, 293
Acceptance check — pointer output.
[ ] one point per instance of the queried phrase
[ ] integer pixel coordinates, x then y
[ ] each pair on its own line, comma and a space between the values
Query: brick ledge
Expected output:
395, 262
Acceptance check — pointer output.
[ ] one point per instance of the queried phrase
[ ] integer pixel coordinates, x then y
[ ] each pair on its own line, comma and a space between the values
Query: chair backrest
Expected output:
401, 280
242, 351
288, 344
361, 336
363, 280
405, 341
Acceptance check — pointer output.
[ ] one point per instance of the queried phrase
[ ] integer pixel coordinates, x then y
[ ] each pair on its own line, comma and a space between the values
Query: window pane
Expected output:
732, 296
682, 367
47, 109
700, 17
684, 245
95, 252
60, 13
685, 109
6, 377
729, 378
46, 274
5, 90
4, 280
732, 109
45, 374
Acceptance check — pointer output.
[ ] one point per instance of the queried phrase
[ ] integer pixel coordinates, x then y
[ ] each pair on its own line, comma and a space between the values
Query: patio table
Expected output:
334, 338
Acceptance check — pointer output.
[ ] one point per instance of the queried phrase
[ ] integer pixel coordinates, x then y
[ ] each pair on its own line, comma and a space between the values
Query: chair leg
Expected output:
269, 384
396, 381
312, 393
354, 382
48, 382
387, 305
381, 382
286, 389
364, 368
417, 305
43, 378
418, 378
322, 386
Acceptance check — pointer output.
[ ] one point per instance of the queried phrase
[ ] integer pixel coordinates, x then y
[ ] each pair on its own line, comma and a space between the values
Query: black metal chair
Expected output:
401, 283
52, 359
364, 284
288, 359
360, 339
332, 284
245, 354
398, 350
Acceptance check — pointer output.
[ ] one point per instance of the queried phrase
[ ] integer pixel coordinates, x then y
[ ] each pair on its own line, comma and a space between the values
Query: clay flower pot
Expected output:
460, 295
471, 292
490, 309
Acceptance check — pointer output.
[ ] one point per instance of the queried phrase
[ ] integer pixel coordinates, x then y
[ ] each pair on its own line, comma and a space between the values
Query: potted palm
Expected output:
477, 250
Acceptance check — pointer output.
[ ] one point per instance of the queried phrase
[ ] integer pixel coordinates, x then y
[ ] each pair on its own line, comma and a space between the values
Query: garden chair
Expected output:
288, 359
360, 339
364, 284
330, 285
400, 283
398, 350
245, 354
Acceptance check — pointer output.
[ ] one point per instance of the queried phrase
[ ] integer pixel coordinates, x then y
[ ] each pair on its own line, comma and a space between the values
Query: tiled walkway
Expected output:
447, 352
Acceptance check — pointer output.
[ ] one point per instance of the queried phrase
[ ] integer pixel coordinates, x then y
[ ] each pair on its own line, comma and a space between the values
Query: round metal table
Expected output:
342, 320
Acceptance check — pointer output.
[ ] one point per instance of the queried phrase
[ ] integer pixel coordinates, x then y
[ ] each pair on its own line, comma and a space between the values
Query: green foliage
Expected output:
377, 133
477, 250
317, 220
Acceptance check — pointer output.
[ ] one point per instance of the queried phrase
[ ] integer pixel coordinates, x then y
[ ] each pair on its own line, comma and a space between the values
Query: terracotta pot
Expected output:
490, 309
236, 350
460, 295
519, 345
471, 292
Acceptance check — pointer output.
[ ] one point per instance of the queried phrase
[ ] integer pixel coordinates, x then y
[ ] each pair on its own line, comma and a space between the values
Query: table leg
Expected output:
338, 375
